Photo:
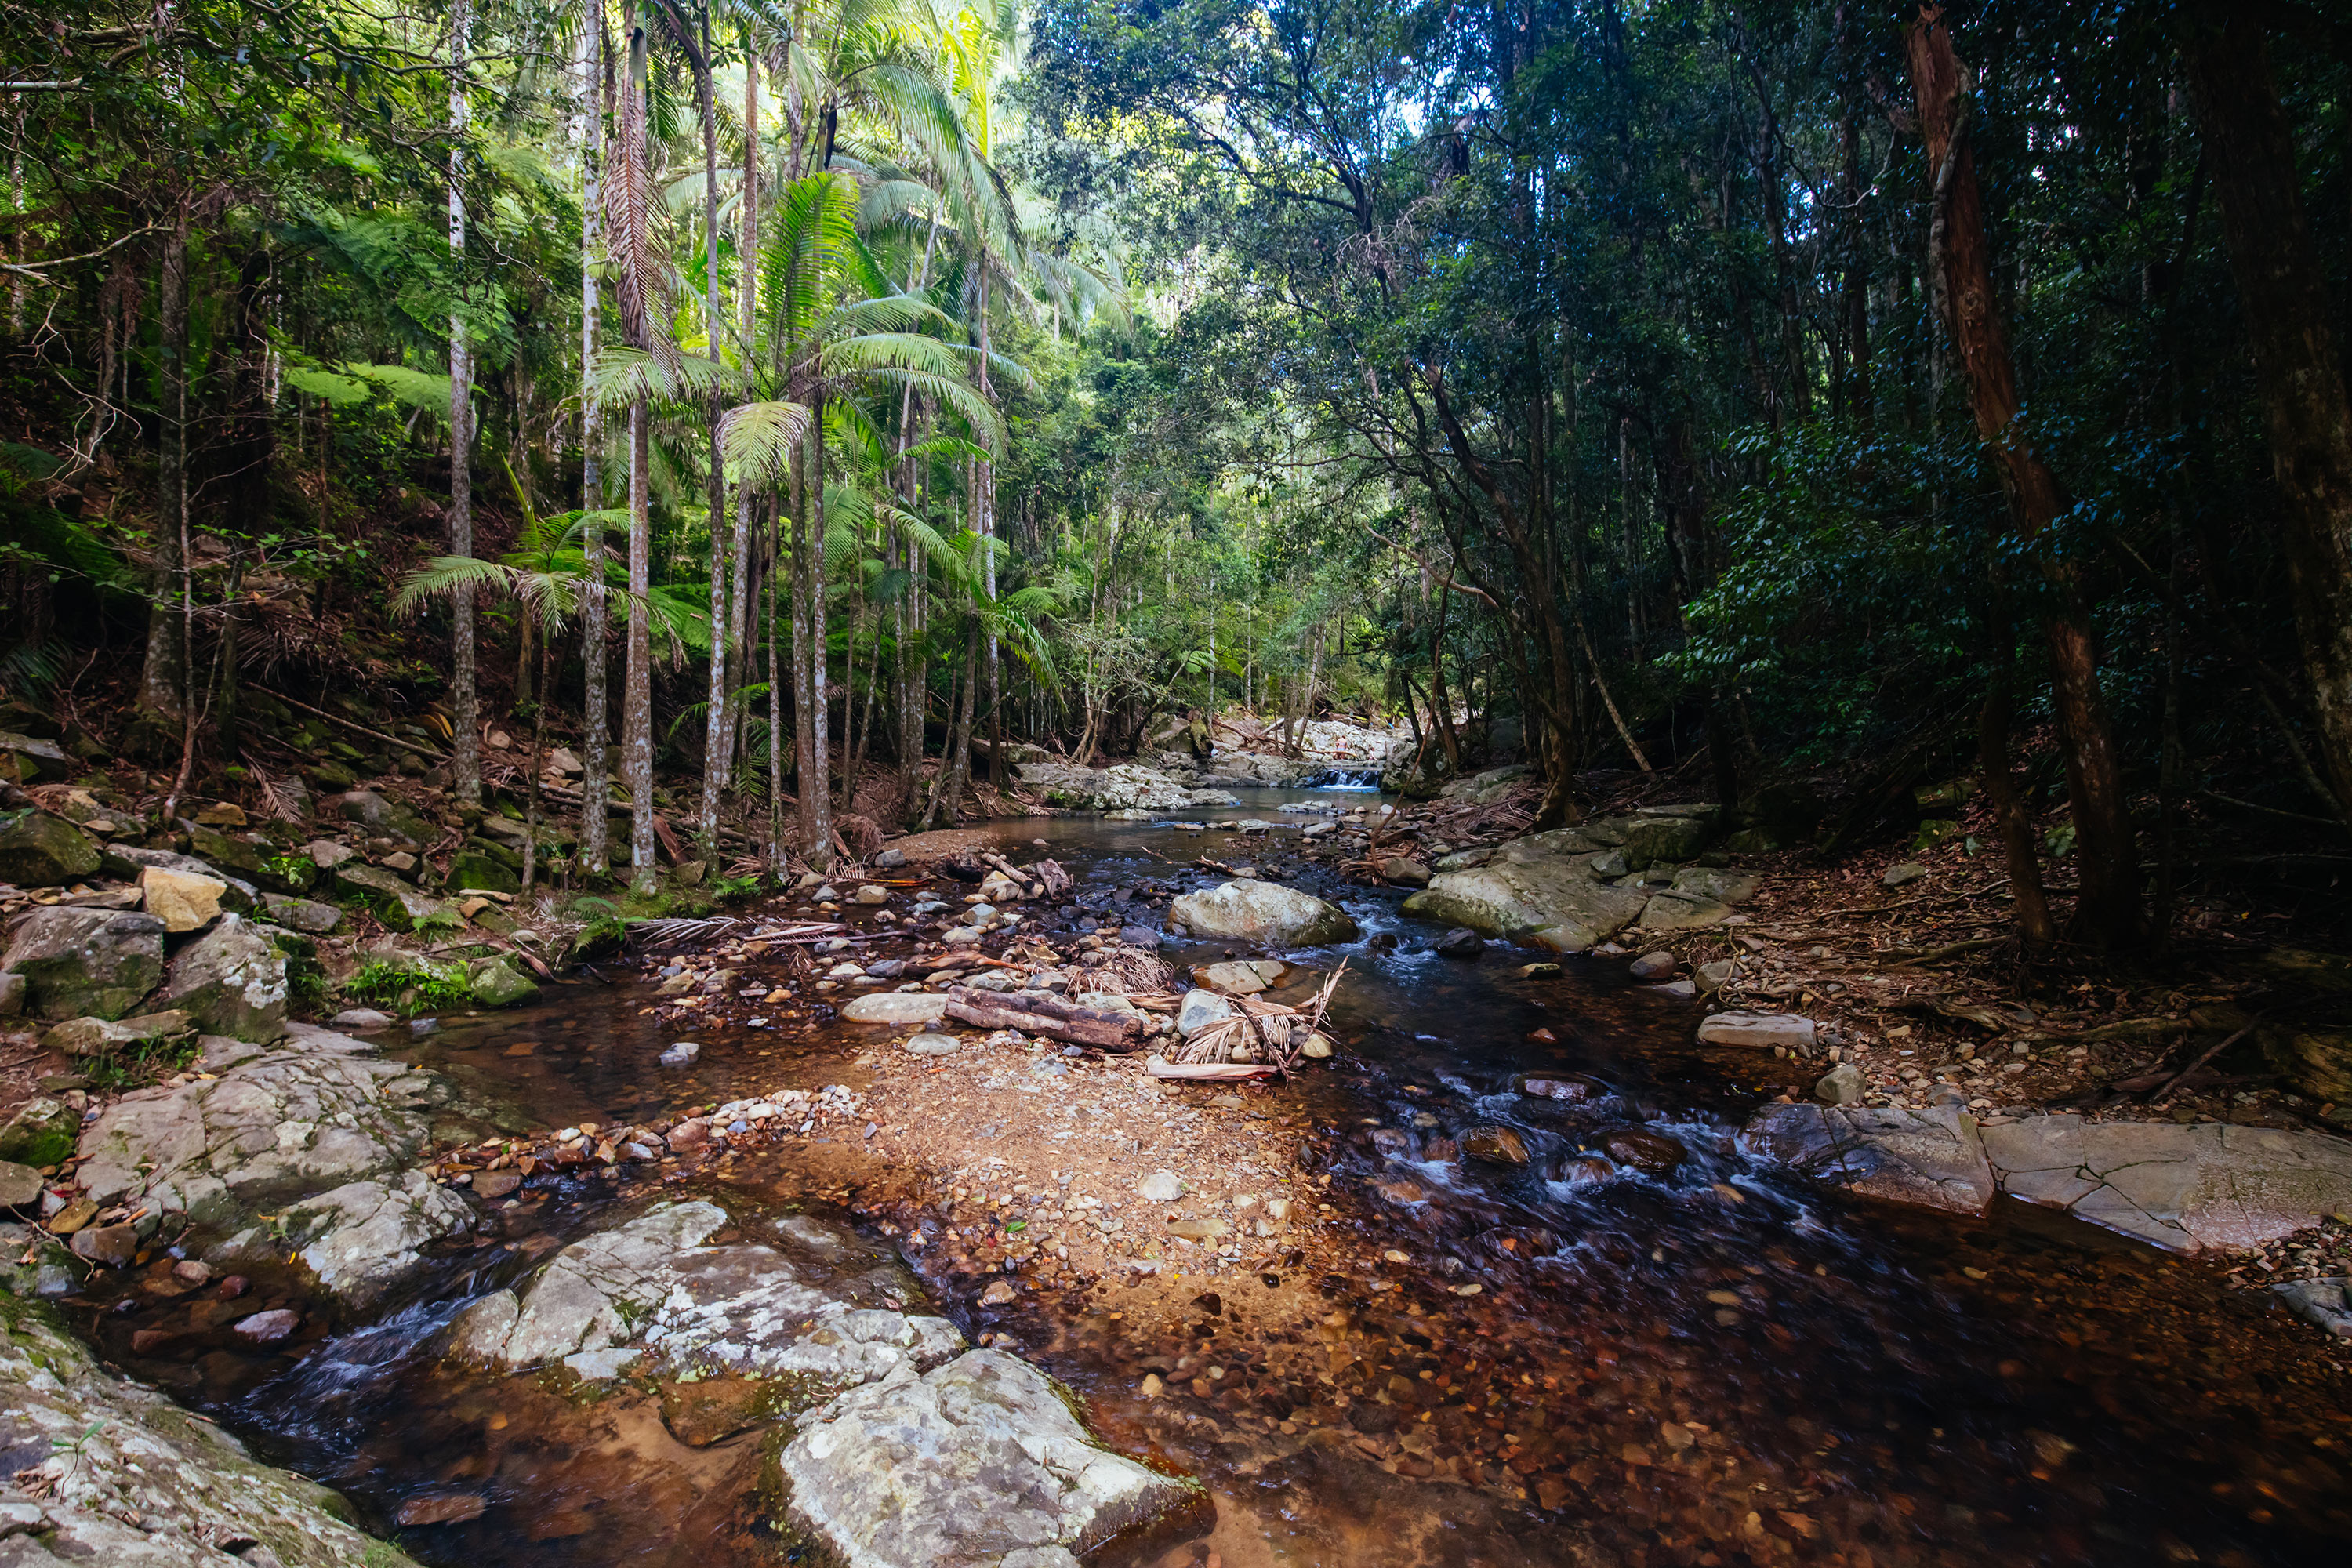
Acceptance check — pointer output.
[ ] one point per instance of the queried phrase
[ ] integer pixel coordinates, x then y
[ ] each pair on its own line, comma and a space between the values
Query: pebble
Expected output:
1160, 1187
269, 1327
999, 1294
932, 1045
681, 1054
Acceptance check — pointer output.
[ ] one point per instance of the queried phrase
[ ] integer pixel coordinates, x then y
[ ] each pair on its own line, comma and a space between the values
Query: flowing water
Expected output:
1714, 1365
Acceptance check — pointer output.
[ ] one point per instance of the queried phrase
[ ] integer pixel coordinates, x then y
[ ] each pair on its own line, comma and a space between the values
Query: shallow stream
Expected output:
1716, 1365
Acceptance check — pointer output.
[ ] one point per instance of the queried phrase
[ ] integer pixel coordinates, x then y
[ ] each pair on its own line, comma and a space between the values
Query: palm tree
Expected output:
596, 726
829, 348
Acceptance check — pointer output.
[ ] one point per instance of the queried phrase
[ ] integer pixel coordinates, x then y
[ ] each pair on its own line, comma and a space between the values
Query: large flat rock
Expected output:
317, 1118
92, 1447
652, 1292
2210, 1185
1543, 888
1934, 1157
976, 1464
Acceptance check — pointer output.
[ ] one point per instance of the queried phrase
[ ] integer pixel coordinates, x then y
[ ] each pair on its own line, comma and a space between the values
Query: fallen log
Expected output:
1042, 1013
1220, 1072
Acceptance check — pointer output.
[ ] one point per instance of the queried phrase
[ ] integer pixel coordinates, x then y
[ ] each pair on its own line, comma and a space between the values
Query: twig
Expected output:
413, 743
1948, 951
2210, 1052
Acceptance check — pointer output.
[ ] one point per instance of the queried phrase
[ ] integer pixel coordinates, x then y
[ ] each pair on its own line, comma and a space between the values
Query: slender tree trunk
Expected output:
2286, 298
162, 685
538, 775
815, 782
2109, 911
775, 695
740, 600
715, 730
1440, 700
955, 767
2011, 818
637, 690
596, 724
465, 754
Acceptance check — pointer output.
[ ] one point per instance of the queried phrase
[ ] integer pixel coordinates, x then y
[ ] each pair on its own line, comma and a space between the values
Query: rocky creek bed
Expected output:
1528, 1271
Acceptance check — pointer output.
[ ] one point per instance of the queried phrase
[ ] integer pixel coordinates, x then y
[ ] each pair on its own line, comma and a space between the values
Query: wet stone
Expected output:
1496, 1145
1652, 1153
445, 1508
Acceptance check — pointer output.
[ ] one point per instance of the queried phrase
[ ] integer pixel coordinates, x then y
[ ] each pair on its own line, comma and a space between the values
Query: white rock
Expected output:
1765, 1029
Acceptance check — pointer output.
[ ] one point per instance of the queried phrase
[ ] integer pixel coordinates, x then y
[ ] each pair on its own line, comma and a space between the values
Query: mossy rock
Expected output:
40, 850
472, 869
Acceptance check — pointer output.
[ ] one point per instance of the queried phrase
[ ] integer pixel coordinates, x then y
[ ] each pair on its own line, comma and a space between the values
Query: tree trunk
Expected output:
596, 724
163, 683
2285, 296
637, 690
738, 612
1441, 702
2108, 912
716, 731
955, 766
465, 754
2014, 823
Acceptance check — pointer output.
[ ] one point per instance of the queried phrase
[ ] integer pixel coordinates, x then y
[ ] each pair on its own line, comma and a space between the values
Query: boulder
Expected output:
1699, 896
1402, 871
182, 900
83, 1441
1266, 914
42, 1132
2213, 1185
1239, 978
898, 1008
361, 1239
1127, 787
1764, 1029
497, 983
484, 873
305, 915
386, 818
2324, 1303
1935, 1157
28, 759
392, 900
1199, 1010
326, 854
1652, 1153
1542, 888
1459, 942
39, 850
233, 855
274, 1129
83, 963
97, 1037
232, 981
362, 1018
12, 993
130, 861
652, 1290
980, 1463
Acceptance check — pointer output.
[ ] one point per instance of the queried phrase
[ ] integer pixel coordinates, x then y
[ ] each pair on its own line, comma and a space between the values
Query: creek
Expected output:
1714, 1364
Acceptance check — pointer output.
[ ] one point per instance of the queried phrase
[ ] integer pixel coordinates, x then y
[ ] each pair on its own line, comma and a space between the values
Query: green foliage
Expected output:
142, 1063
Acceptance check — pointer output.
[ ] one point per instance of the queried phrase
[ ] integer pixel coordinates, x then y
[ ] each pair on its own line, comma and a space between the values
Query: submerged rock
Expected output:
1265, 913
898, 1008
1934, 1157
977, 1464
653, 1286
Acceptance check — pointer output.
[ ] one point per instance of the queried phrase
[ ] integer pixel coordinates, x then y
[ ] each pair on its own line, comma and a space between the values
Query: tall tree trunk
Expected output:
715, 730
637, 688
955, 767
1440, 700
775, 569
740, 599
596, 724
2108, 912
465, 754
2286, 298
163, 678
983, 493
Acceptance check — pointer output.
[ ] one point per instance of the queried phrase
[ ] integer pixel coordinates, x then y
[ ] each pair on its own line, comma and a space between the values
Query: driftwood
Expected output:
1216, 1071
1043, 1012
1045, 879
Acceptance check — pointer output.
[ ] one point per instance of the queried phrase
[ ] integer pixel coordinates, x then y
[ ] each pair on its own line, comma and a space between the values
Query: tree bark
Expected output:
2285, 296
466, 753
162, 682
716, 731
637, 690
596, 724
2108, 912
1041, 1012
